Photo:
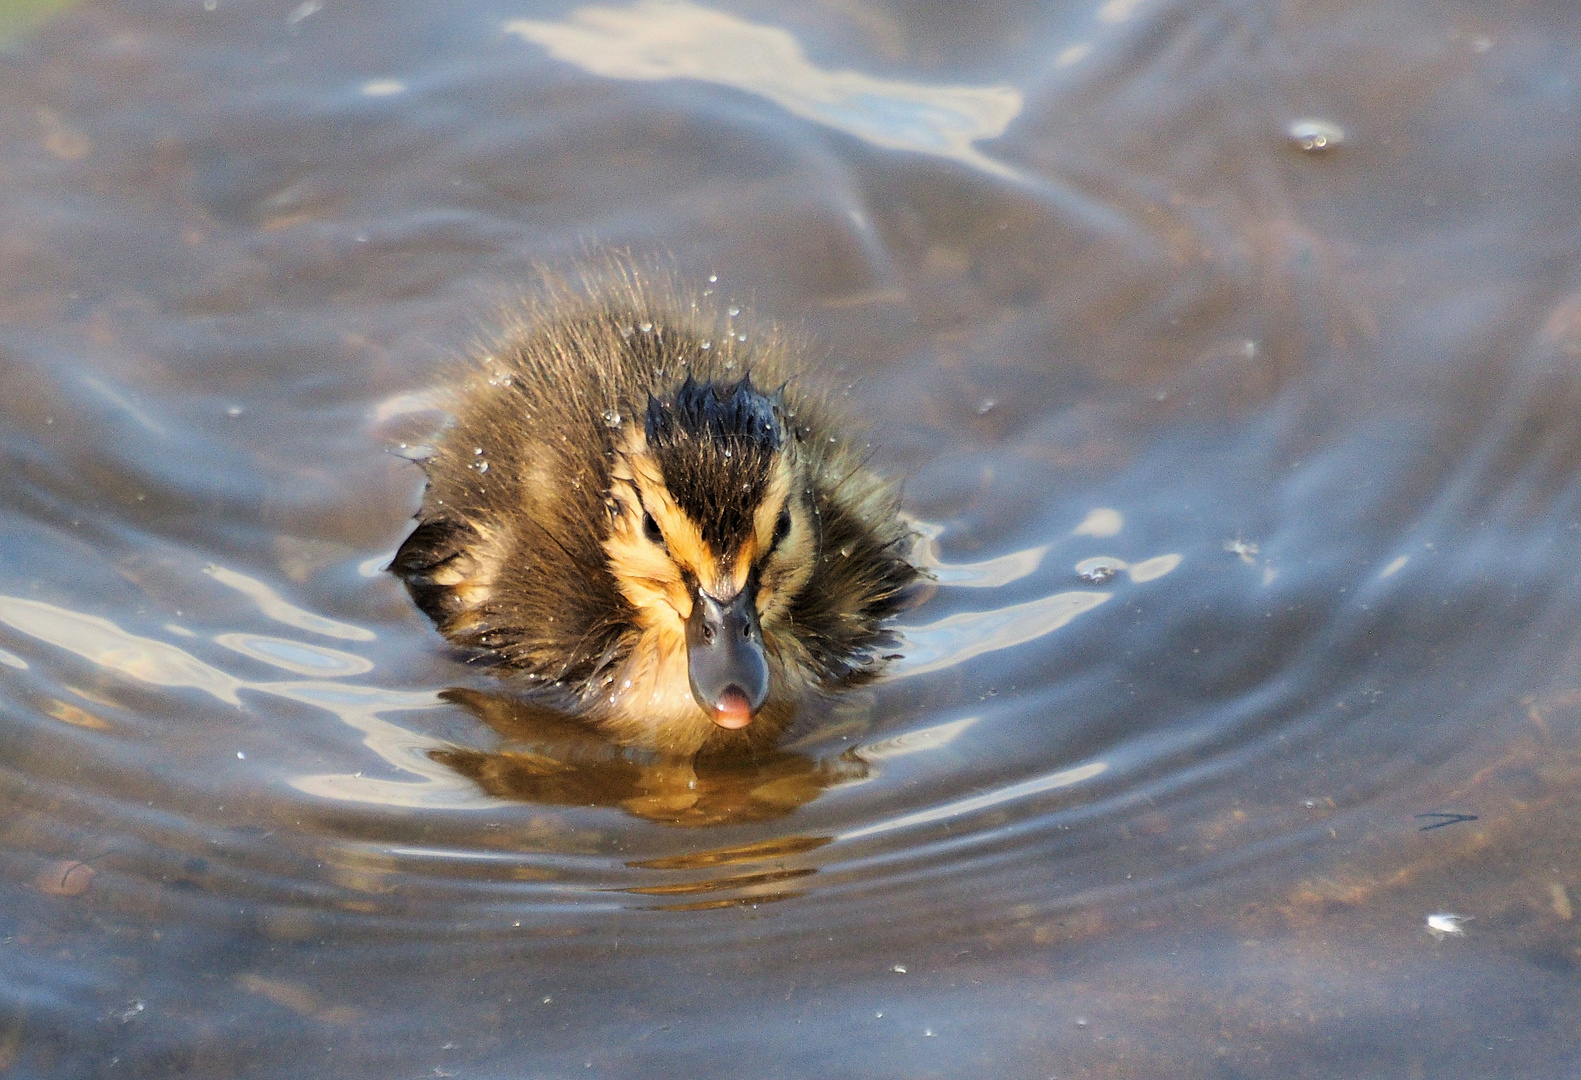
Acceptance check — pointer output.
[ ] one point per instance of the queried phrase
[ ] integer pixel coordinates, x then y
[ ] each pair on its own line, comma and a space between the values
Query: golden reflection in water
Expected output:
761, 885
673, 39
550, 760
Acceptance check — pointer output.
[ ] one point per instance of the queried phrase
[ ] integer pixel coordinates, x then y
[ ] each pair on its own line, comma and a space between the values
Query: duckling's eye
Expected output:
650, 529
781, 528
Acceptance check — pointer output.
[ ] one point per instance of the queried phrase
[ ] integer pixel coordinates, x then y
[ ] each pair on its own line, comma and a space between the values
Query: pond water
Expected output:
1230, 354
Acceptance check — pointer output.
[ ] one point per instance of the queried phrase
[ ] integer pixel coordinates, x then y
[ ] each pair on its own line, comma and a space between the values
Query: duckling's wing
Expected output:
439, 569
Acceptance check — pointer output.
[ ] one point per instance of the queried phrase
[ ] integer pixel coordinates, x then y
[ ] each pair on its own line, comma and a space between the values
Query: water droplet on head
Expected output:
646, 328
986, 406
712, 278
611, 418
477, 451
733, 312
481, 466
706, 345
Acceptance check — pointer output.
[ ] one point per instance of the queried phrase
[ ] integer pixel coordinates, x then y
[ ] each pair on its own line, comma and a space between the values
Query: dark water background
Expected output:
1318, 411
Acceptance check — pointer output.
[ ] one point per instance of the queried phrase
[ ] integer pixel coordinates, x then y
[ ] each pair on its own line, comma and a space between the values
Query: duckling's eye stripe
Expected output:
782, 528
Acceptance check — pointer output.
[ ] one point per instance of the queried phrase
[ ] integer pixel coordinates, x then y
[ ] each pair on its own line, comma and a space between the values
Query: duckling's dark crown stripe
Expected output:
715, 443
716, 411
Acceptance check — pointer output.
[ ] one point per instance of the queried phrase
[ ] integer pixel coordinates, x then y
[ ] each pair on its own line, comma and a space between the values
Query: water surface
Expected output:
1246, 467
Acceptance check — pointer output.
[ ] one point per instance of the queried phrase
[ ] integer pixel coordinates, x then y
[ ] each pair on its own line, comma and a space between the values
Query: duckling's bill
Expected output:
728, 672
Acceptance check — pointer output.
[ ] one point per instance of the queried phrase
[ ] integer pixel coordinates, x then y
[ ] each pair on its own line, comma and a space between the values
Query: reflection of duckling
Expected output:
628, 515
550, 761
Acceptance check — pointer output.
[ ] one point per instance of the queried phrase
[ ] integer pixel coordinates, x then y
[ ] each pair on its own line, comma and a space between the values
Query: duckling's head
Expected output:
712, 534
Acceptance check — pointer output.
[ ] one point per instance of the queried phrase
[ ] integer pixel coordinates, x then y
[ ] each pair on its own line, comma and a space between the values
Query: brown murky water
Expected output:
1231, 352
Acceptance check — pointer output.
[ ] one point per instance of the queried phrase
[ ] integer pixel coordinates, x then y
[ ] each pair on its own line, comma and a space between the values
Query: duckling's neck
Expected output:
649, 701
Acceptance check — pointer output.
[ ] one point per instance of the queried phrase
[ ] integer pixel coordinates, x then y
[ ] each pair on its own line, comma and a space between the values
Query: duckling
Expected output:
646, 521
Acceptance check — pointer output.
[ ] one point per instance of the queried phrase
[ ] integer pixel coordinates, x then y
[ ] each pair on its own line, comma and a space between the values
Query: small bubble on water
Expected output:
1315, 136
1099, 570
234, 410
733, 312
713, 279
611, 418
986, 406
